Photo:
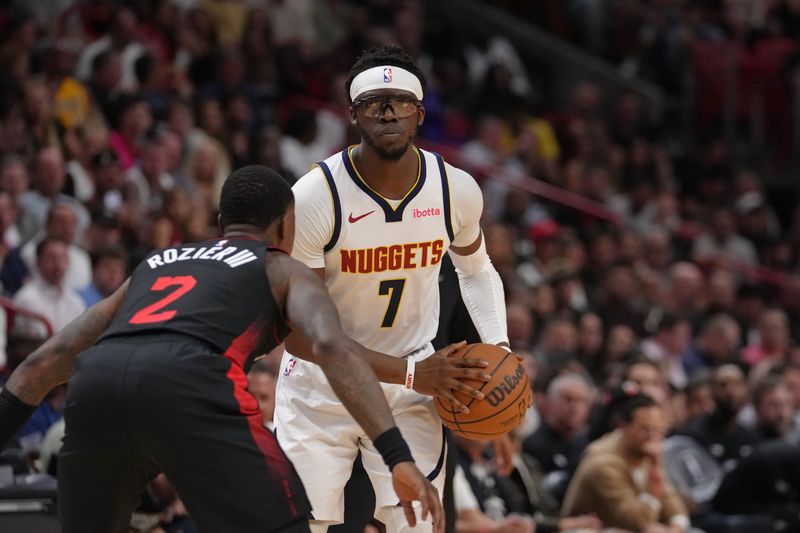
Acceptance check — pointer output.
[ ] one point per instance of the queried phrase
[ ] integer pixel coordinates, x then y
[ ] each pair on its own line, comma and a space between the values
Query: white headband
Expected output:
386, 77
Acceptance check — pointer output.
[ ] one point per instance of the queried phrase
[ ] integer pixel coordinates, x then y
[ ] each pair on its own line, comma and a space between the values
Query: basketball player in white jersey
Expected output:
375, 221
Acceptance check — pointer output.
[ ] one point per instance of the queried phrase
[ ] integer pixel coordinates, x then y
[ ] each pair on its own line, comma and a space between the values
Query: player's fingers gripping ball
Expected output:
507, 396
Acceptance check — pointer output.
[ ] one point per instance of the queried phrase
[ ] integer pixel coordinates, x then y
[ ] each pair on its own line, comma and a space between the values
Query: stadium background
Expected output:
639, 161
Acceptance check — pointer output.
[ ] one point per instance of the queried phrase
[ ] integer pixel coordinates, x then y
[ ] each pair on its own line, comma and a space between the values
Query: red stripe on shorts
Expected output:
264, 439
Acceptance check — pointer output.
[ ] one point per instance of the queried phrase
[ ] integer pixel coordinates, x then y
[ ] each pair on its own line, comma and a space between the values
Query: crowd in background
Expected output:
120, 120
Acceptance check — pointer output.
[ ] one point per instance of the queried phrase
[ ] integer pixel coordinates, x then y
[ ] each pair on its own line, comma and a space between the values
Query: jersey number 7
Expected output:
153, 312
394, 289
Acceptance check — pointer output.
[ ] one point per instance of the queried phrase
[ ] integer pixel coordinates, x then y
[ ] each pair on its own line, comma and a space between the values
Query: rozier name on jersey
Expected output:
226, 254
394, 257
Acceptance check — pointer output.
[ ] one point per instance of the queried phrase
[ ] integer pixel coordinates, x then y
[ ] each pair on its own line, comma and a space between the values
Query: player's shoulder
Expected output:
309, 181
312, 191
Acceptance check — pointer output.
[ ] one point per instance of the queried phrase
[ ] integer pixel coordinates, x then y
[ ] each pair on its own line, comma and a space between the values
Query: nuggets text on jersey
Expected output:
394, 257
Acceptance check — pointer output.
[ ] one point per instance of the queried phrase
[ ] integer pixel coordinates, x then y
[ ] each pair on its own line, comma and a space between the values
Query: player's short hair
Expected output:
377, 56
254, 195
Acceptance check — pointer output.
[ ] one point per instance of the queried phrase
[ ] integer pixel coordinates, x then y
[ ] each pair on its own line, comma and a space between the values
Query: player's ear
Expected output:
352, 116
219, 225
420, 116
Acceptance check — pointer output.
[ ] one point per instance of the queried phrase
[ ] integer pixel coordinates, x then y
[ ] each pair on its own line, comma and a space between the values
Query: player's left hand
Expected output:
439, 375
503, 455
411, 485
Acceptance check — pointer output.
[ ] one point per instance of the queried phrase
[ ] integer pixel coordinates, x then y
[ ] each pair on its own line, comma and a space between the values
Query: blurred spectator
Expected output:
714, 346
562, 436
299, 146
699, 398
32, 434
122, 38
666, 347
61, 224
722, 242
261, 384
486, 501
621, 478
772, 348
590, 343
48, 181
774, 411
9, 234
109, 270
131, 121
720, 432
148, 180
686, 295
47, 293
83, 145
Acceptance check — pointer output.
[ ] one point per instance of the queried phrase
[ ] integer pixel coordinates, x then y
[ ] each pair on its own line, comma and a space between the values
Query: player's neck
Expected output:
390, 179
244, 231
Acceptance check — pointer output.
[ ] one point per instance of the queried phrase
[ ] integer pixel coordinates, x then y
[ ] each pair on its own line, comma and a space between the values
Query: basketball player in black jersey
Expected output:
164, 387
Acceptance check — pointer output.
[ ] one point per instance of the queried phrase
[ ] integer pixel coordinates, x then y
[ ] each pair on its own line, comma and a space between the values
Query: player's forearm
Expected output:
355, 383
52, 363
388, 369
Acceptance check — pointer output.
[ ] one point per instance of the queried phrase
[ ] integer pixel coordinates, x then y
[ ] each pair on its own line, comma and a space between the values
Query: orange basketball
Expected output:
507, 396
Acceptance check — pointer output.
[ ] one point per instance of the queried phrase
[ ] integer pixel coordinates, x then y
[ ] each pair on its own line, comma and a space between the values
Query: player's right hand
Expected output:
411, 485
439, 375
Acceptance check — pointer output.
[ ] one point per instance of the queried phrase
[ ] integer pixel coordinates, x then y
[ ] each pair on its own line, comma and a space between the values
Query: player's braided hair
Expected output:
384, 55
254, 195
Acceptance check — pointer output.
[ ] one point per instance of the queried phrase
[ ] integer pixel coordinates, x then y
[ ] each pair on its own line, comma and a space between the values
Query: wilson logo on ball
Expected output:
507, 386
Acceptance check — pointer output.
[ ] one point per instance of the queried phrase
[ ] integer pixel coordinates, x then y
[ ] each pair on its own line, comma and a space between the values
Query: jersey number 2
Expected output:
394, 289
153, 312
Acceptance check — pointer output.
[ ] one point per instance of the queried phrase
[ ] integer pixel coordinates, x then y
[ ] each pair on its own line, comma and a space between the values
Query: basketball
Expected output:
507, 396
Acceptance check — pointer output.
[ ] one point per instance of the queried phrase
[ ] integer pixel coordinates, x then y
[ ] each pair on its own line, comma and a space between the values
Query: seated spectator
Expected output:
715, 345
470, 518
562, 437
699, 400
109, 270
721, 242
621, 478
61, 224
262, 381
519, 502
666, 346
720, 432
773, 345
48, 181
51, 410
647, 375
46, 293
773, 411
765, 483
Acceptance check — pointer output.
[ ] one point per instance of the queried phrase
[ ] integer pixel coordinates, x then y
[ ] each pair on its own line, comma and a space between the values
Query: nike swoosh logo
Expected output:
352, 219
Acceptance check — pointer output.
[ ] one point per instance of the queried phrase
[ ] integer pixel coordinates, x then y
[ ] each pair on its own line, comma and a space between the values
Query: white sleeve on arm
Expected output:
313, 208
481, 287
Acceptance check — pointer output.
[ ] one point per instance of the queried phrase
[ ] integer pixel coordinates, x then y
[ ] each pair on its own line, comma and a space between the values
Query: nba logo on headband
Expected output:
385, 77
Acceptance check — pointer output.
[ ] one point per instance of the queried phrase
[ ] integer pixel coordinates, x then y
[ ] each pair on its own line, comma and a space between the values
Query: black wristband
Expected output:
13, 415
392, 447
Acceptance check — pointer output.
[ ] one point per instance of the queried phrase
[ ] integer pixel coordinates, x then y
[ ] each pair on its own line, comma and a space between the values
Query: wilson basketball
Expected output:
507, 396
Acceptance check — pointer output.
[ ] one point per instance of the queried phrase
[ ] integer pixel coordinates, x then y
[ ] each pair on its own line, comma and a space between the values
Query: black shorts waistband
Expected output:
153, 338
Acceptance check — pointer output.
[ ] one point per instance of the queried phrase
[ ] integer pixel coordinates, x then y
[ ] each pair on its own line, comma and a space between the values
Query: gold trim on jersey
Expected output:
388, 200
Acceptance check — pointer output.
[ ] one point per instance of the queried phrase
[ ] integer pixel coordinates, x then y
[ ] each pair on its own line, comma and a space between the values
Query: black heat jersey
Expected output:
215, 291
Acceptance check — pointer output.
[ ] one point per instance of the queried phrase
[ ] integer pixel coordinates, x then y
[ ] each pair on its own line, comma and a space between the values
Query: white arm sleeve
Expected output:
481, 287
313, 209
482, 291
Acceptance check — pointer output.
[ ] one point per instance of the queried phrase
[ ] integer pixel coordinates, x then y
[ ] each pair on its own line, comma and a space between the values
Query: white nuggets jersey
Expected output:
382, 257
